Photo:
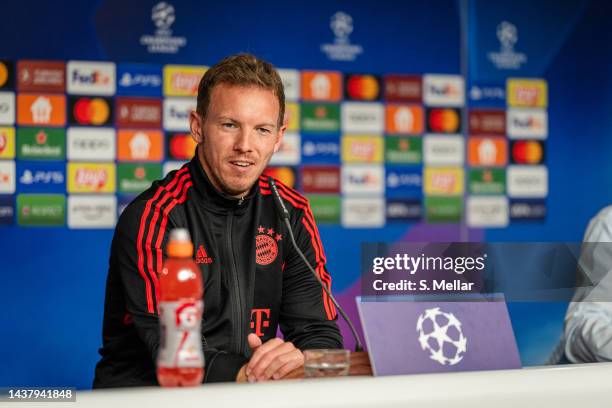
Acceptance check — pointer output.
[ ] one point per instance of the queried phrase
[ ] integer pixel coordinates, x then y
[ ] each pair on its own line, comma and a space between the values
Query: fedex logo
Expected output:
90, 78
93, 77
443, 90
527, 123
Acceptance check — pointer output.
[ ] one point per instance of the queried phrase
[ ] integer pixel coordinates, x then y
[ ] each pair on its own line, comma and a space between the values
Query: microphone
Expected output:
284, 215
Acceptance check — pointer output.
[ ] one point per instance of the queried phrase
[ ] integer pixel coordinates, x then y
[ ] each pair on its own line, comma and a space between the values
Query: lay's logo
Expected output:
182, 80
362, 149
528, 93
443, 181
91, 178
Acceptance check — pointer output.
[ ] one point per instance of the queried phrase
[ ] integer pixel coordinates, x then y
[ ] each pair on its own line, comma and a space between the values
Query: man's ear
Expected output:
281, 134
196, 126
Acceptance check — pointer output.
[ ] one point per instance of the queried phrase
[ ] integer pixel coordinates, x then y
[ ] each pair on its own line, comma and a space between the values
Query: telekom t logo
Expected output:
259, 321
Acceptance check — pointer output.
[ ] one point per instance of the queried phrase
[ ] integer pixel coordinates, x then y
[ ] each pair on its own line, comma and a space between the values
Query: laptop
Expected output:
437, 334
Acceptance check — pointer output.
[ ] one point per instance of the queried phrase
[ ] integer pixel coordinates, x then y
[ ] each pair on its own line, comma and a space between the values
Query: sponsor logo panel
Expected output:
443, 181
402, 210
138, 112
487, 122
139, 79
7, 142
404, 119
90, 78
443, 209
403, 88
95, 111
320, 179
181, 146
7, 108
91, 177
292, 116
41, 177
321, 86
134, 178
291, 83
322, 149
41, 110
403, 150
362, 87
320, 117
487, 151
7, 210
363, 179
528, 210
289, 153
325, 208
487, 95
176, 113
404, 181
91, 144
485, 212
527, 181
443, 90
7, 74
92, 211
443, 120
7, 177
527, 124
41, 76
362, 149
41, 209
182, 80
487, 181
363, 212
528, 93
285, 174
41, 144
443, 150
362, 117
139, 145
527, 152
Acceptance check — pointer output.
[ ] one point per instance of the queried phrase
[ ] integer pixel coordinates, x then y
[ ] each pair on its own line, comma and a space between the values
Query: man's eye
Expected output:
229, 125
264, 130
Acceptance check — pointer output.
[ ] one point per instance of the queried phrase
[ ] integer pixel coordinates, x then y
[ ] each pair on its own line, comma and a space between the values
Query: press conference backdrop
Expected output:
423, 121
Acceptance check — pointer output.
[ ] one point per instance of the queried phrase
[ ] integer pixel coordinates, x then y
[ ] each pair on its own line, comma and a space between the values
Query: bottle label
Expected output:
180, 340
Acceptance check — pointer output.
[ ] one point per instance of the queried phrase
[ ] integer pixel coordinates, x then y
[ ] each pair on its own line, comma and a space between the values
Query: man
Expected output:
588, 321
254, 280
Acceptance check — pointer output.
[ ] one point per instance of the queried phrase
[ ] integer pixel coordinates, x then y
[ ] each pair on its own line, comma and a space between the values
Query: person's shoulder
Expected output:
605, 215
291, 197
158, 195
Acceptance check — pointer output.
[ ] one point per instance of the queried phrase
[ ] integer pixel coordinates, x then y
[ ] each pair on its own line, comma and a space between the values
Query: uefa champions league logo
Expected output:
440, 334
507, 35
342, 25
507, 57
162, 15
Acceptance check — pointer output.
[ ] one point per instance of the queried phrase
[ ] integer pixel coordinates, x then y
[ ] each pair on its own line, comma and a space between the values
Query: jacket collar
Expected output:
214, 199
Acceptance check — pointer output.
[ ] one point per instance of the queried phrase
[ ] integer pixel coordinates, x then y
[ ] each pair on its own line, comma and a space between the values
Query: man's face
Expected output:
238, 136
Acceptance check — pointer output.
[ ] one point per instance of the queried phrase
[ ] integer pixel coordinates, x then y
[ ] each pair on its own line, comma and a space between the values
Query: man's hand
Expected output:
272, 360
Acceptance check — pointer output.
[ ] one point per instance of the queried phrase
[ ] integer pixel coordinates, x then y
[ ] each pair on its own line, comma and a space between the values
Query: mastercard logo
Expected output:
4, 74
527, 152
443, 120
362, 87
181, 146
285, 175
91, 111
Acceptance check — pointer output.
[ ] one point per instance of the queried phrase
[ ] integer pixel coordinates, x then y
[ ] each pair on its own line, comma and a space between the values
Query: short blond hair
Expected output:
241, 70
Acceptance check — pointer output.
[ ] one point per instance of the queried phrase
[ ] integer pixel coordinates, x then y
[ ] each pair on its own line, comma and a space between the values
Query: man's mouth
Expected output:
242, 163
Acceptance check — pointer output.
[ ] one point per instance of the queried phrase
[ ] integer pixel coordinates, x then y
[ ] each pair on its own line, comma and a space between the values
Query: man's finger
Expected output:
253, 340
261, 350
293, 358
257, 370
289, 367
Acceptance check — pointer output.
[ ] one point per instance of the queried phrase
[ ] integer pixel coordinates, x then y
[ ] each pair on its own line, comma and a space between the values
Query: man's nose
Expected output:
244, 140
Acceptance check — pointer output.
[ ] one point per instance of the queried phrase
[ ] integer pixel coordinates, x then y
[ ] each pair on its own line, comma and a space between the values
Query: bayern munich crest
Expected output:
266, 245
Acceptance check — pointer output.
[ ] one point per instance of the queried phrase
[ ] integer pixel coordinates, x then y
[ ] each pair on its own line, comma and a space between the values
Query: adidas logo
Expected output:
202, 257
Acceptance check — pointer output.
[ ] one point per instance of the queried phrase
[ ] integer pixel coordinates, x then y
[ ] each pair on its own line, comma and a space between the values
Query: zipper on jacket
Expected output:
238, 318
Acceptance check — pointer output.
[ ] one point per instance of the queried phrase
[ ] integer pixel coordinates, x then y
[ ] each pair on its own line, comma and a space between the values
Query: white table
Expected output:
575, 386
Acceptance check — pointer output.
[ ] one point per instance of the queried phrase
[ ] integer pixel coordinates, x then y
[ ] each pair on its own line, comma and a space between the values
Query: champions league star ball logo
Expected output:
162, 15
440, 334
342, 25
507, 35
266, 245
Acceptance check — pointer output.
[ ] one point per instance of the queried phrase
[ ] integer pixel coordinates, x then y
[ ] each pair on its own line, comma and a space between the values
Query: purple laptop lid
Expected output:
416, 337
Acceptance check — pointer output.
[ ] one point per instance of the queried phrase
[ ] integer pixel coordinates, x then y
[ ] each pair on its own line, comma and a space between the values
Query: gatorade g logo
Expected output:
260, 318
187, 316
266, 247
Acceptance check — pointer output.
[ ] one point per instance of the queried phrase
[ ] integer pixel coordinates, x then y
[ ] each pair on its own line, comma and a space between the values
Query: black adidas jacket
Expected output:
254, 281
